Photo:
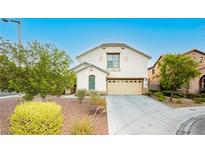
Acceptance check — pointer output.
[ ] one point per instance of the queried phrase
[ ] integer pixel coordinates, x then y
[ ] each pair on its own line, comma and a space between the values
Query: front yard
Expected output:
179, 100
72, 111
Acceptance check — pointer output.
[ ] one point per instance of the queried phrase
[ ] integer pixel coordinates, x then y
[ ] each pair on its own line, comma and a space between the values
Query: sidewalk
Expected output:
11, 96
73, 96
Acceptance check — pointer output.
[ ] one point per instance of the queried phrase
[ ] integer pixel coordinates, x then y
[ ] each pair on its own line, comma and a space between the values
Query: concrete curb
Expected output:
11, 96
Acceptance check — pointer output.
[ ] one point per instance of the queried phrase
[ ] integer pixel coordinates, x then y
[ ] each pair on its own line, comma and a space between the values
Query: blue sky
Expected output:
152, 36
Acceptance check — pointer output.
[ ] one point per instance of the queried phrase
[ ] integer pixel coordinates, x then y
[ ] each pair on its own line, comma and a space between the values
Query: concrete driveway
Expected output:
132, 114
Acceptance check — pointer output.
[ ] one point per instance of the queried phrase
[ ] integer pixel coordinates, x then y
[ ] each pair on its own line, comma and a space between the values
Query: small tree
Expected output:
81, 93
38, 69
72, 80
177, 70
8, 64
7, 69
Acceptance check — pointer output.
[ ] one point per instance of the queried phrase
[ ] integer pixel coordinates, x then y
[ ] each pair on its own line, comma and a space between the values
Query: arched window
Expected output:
202, 83
91, 82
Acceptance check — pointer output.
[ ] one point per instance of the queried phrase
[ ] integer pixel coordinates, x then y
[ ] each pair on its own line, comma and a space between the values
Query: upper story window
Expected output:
113, 60
153, 71
201, 60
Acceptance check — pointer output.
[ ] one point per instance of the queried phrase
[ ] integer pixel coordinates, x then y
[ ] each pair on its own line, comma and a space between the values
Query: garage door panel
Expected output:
124, 87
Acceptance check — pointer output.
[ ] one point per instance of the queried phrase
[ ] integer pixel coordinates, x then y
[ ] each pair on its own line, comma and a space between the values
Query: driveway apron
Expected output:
138, 114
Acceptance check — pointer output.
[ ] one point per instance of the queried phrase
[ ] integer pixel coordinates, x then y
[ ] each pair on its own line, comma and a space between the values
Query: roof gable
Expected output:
82, 64
114, 45
194, 50
87, 66
185, 53
155, 62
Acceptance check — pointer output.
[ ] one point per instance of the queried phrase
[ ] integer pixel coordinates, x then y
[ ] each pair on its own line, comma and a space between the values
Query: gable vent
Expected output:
103, 46
122, 47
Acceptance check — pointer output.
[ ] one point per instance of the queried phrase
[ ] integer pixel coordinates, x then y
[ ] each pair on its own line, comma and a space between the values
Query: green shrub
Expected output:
202, 95
36, 118
95, 101
83, 126
176, 94
160, 96
101, 102
179, 94
153, 90
192, 96
199, 100
81, 93
167, 93
28, 97
98, 107
178, 101
150, 93
94, 96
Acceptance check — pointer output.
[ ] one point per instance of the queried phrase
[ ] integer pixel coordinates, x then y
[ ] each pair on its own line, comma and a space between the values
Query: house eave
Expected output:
122, 45
91, 65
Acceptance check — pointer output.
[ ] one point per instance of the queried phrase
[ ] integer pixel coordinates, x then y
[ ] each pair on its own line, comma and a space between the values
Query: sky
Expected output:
154, 36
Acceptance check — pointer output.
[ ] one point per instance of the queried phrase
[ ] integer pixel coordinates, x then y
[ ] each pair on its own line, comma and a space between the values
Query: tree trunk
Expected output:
171, 97
187, 92
43, 98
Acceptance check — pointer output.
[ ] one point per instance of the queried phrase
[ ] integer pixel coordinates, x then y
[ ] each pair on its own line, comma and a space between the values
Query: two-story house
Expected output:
195, 86
113, 68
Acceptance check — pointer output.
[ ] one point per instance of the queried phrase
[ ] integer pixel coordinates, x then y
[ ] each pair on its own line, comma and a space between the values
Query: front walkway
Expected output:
143, 115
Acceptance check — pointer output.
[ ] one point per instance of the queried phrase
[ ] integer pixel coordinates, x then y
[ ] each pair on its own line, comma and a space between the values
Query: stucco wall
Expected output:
132, 64
194, 86
154, 78
100, 79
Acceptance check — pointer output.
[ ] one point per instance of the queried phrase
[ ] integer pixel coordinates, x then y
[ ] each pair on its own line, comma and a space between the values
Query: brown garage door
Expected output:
124, 87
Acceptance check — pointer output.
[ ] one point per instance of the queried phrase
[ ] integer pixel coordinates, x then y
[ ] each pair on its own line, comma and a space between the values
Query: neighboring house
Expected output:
113, 68
195, 86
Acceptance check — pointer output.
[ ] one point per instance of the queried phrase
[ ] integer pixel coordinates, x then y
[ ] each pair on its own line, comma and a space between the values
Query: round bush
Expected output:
40, 118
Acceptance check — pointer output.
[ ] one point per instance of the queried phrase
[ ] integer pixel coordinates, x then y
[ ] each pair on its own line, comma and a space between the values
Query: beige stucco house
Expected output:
195, 86
113, 68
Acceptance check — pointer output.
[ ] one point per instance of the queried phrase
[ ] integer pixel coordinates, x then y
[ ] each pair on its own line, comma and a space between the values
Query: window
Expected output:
201, 60
113, 60
91, 82
153, 71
